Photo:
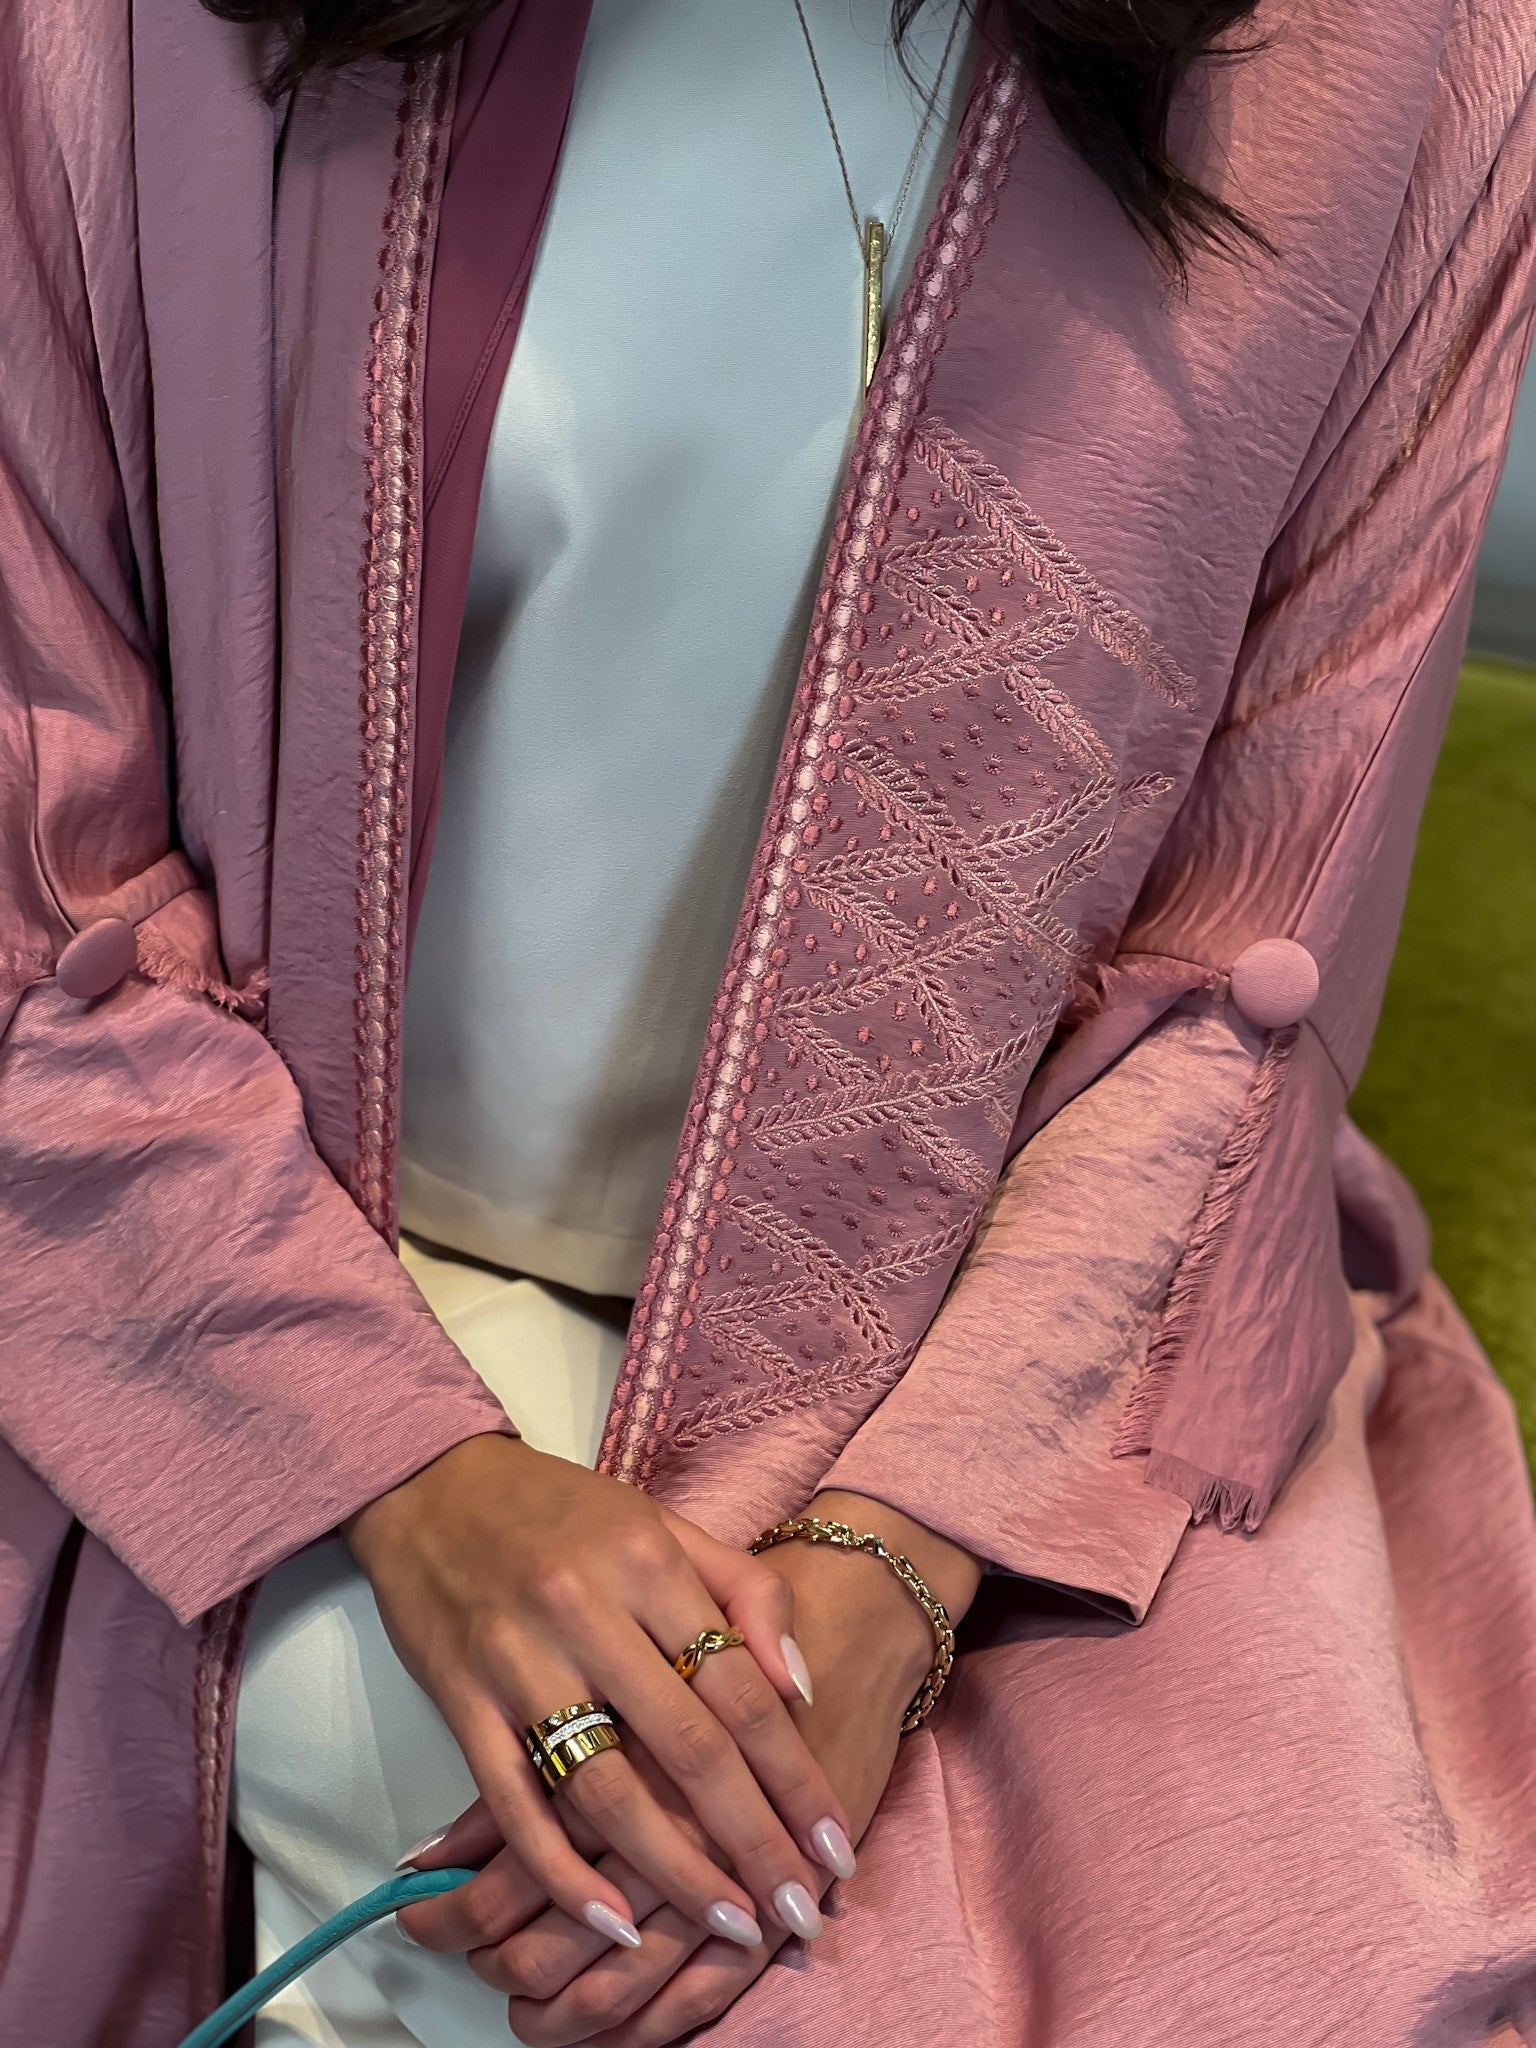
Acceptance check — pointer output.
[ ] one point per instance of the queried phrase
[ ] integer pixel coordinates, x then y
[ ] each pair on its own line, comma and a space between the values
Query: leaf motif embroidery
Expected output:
912, 925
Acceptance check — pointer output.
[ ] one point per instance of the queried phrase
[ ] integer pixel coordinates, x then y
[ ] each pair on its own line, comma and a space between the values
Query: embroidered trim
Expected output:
910, 928
1202, 1254
389, 579
221, 1644
389, 585
991, 498
647, 1382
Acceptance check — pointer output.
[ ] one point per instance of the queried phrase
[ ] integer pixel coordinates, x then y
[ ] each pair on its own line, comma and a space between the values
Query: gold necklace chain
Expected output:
873, 236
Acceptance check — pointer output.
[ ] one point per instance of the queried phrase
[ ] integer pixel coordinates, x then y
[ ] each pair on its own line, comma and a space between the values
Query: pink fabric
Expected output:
1033, 729
101, 1804
1293, 1808
1246, 523
239, 1394
196, 466
1044, 1338
183, 1274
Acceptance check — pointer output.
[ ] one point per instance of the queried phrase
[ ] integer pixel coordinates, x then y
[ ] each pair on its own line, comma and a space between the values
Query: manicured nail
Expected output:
833, 1847
795, 1664
797, 1909
427, 1842
405, 1933
603, 1920
729, 1920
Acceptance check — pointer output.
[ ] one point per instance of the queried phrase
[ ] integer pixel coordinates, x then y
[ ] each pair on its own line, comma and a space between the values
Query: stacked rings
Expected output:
562, 1742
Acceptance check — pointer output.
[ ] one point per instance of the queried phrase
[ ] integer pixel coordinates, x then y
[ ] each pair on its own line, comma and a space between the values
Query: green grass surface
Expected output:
1450, 1090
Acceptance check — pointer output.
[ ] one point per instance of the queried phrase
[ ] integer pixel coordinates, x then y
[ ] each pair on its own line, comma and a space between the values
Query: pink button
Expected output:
96, 959
1274, 983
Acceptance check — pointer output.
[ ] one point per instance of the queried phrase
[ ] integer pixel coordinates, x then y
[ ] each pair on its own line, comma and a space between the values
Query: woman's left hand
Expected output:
869, 1647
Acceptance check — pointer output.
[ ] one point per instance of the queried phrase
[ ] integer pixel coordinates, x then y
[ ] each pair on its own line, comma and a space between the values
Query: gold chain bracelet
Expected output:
811, 1529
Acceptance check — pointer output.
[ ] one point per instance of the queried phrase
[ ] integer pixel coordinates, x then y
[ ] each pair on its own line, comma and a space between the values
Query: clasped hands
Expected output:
655, 1887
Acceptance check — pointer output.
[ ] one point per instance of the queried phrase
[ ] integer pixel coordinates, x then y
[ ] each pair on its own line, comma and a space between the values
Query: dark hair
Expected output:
1106, 69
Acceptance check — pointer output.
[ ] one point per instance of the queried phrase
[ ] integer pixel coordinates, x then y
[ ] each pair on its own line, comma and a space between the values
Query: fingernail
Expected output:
427, 1842
405, 1933
735, 1925
833, 1847
797, 1909
799, 1671
603, 1920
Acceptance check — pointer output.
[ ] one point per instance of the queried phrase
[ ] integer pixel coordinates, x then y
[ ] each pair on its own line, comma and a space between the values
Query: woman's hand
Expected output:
512, 1584
869, 1647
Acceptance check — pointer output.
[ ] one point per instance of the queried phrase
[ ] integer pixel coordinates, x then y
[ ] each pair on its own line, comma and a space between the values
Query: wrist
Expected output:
860, 1622
950, 1572
382, 1522
857, 1624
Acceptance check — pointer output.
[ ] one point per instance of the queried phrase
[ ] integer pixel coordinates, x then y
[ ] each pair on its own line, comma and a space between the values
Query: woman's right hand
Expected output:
511, 1584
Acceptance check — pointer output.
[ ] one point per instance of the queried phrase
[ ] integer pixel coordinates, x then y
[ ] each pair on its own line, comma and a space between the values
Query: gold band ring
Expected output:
686, 1663
562, 1742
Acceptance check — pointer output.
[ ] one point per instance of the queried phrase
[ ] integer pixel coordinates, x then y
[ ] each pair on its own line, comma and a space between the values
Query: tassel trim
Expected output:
162, 964
1234, 1506
1192, 1277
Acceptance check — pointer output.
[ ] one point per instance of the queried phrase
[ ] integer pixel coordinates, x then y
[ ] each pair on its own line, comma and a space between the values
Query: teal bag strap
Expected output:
378, 1904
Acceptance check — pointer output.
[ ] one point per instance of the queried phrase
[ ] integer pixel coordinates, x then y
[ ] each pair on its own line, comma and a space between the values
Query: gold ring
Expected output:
686, 1663
562, 1742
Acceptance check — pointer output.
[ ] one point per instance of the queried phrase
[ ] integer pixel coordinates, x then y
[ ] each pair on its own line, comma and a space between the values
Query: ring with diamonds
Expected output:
563, 1741
686, 1663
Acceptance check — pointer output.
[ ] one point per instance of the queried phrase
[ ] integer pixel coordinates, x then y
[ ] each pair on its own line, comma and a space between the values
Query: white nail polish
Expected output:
603, 1920
420, 1849
404, 1933
833, 1847
797, 1909
799, 1671
724, 1918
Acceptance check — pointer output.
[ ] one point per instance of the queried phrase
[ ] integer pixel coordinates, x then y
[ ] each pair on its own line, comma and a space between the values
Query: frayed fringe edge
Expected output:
1192, 1278
163, 965
18, 975
1234, 1506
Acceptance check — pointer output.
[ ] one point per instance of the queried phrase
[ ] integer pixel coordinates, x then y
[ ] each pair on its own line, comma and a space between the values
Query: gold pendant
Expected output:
874, 298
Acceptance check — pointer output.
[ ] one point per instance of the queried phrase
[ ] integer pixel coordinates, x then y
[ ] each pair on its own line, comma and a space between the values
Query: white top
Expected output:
662, 473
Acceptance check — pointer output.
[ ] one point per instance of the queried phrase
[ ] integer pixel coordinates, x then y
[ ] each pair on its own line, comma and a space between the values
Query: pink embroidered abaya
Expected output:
1016, 1189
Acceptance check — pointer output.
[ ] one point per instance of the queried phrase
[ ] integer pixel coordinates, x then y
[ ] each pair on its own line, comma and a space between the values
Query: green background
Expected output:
1450, 1089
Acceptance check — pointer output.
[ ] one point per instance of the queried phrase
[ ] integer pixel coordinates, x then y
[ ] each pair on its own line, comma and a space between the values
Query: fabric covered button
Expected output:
96, 959
1274, 983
